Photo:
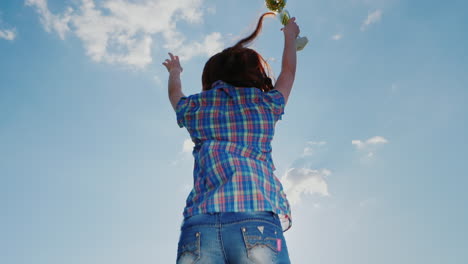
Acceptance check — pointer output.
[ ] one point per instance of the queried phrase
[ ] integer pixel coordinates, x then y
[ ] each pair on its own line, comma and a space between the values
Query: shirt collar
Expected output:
220, 84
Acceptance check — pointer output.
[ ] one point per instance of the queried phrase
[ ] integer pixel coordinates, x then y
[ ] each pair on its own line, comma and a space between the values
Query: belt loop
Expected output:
218, 219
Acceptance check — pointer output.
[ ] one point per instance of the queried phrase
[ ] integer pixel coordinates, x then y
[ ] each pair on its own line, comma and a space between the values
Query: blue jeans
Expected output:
235, 238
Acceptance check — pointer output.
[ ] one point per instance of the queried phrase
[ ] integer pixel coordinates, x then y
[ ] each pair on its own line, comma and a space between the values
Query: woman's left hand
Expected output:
172, 64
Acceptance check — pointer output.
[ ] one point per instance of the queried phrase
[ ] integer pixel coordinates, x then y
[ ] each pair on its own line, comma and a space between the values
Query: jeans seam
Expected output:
220, 238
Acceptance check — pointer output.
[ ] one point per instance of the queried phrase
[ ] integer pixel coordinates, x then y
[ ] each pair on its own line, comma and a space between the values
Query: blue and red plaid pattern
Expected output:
232, 128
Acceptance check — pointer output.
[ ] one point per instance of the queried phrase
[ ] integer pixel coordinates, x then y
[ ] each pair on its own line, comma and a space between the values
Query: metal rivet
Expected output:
197, 234
243, 229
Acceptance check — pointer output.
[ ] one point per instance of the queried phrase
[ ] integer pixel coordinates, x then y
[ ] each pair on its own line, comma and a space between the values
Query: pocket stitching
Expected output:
249, 246
195, 252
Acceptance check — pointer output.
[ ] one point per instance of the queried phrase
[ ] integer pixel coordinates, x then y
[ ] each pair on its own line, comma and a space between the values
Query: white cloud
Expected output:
369, 146
210, 45
124, 31
185, 153
377, 140
371, 141
372, 18
8, 34
337, 37
187, 146
51, 22
298, 181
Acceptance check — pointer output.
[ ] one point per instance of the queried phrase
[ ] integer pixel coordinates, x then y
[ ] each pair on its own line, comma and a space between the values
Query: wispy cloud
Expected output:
52, 22
371, 141
311, 146
124, 31
337, 37
369, 146
8, 34
372, 18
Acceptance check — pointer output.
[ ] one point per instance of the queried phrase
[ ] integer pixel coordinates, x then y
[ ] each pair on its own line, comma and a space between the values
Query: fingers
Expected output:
291, 23
173, 58
291, 28
292, 20
172, 63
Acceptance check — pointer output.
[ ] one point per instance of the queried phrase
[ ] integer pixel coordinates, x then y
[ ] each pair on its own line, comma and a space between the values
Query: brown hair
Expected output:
239, 66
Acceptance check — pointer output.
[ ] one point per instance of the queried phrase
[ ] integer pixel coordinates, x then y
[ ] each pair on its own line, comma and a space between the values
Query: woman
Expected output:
234, 213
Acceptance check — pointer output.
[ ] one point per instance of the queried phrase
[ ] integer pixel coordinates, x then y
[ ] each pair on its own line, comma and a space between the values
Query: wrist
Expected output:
289, 36
175, 72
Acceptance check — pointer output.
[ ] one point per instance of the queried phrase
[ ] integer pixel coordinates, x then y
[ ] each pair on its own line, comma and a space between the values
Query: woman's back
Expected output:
232, 128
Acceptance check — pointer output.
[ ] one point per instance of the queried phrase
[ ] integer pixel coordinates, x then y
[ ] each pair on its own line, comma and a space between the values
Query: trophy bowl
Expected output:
275, 5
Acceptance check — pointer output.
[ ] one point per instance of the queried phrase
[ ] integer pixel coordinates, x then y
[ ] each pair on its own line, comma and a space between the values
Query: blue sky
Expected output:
371, 149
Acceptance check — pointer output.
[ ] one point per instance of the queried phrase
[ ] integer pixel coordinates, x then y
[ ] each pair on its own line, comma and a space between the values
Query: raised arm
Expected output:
288, 67
174, 84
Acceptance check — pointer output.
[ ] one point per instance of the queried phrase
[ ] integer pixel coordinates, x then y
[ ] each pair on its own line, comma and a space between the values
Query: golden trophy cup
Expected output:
277, 6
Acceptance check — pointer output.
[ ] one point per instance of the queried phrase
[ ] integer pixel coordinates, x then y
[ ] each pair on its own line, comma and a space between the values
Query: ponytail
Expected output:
246, 41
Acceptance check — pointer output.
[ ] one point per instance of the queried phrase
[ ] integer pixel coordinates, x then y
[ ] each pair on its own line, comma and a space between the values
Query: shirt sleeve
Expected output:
181, 110
275, 100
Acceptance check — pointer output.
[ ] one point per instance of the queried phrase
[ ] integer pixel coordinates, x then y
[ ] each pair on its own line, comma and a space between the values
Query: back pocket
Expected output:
188, 250
261, 242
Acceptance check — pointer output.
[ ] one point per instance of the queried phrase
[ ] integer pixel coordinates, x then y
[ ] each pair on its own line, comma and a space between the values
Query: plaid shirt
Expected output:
232, 129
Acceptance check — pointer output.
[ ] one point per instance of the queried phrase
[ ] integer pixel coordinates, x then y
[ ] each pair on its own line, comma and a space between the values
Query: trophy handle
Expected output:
301, 42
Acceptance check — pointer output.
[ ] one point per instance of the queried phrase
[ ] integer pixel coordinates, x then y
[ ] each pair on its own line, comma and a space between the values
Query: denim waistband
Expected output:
226, 218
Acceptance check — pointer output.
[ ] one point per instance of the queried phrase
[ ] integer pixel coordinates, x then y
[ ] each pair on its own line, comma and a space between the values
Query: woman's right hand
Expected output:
291, 29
